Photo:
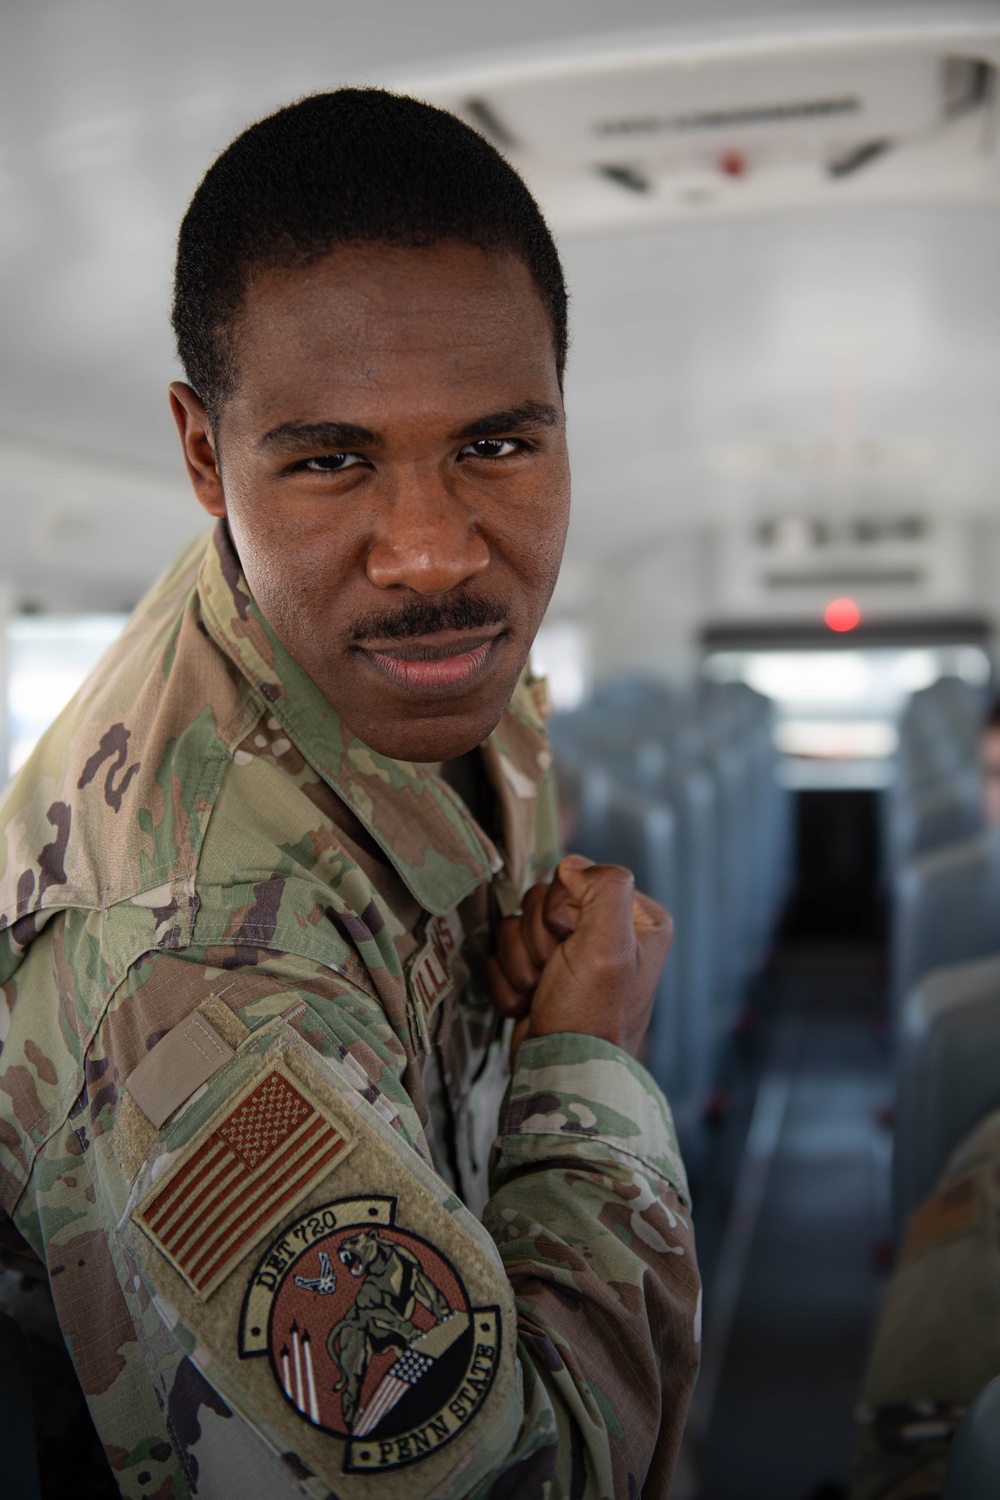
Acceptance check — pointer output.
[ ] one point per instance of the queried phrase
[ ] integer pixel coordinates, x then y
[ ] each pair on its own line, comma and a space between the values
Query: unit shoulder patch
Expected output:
369, 1333
327, 1283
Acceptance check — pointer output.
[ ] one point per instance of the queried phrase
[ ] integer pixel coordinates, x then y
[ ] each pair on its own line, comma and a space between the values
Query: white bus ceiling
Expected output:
778, 341
773, 637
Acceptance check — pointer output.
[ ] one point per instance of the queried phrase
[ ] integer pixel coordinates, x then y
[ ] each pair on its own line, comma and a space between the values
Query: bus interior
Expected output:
773, 644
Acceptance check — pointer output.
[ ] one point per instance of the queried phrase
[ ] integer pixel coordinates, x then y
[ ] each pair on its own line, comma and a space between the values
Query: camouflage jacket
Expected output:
304, 1233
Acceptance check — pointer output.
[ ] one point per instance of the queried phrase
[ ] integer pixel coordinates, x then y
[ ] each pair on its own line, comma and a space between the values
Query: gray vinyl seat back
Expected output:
946, 812
947, 713
690, 791
935, 798
946, 909
974, 1458
731, 769
743, 735
773, 861
732, 741
771, 818
641, 834
764, 832
584, 790
703, 757
947, 1073
611, 793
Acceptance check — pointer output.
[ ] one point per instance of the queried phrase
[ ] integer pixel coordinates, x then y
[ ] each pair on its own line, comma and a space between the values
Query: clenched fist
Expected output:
585, 955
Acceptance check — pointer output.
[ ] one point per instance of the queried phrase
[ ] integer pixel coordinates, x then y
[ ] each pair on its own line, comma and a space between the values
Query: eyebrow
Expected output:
333, 436
515, 419
336, 437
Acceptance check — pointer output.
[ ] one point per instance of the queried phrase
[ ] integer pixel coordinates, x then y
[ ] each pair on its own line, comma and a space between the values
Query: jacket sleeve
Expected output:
551, 1347
589, 1212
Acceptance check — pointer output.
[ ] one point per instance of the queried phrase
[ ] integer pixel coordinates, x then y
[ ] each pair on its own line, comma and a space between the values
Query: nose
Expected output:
426, 540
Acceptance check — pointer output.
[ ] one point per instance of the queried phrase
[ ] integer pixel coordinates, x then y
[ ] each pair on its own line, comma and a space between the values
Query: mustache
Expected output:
427, 617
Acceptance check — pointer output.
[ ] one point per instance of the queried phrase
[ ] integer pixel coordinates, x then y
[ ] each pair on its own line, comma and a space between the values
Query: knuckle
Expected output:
608, 967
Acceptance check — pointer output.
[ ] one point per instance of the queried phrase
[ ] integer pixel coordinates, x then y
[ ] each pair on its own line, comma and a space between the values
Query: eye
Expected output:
330, 463
492, 448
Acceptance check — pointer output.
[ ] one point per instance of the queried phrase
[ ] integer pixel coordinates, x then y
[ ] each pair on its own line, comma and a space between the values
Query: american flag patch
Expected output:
239, 1177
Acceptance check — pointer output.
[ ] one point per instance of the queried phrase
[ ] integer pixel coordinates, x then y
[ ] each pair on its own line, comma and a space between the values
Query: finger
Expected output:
654, 931
648, 916
508, 1000
612, 887
513, 957
604, 898
561, 912
538, 939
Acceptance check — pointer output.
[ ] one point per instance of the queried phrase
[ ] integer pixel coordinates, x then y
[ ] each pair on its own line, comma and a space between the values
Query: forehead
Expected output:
376, 317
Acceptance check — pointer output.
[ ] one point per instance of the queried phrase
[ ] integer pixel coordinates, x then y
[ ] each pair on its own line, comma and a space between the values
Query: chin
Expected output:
444, 739
443, 734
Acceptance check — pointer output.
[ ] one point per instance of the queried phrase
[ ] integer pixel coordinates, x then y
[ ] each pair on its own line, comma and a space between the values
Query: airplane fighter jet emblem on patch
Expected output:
369, 1333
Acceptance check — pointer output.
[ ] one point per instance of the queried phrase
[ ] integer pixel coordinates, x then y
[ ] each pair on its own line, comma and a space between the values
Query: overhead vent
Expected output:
632, 135
726, 119
845, 578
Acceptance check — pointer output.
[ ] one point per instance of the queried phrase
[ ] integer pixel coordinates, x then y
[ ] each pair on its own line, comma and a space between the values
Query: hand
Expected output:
585, 955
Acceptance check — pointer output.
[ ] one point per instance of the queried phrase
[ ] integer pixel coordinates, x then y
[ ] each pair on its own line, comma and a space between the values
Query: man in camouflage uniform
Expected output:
937, 1343
273, 920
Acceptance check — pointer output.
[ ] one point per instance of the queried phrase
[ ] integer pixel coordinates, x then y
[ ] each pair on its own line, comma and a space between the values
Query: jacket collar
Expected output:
422, 826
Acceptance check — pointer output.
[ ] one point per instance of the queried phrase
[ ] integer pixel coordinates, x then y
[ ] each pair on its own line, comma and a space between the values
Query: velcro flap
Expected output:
180, 1062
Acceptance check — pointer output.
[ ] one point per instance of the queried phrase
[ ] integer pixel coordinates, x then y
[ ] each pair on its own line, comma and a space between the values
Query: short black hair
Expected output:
352, 166
992, 720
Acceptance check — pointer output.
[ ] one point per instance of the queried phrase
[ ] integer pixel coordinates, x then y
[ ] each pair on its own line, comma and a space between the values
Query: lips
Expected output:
434, 664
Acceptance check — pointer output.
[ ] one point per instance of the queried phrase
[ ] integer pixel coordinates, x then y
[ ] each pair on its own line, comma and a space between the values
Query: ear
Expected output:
198, 444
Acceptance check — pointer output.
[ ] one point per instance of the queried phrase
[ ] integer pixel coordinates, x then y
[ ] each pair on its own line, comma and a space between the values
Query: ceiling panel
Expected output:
713, 362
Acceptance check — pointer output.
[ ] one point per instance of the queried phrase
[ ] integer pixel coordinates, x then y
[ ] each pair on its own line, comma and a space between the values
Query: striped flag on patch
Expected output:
411, 1366
241, 1176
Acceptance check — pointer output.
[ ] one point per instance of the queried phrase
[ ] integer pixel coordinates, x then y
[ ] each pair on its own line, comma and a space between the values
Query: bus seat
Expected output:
945, 813
731, 767
691, 792
948, 1073
946, 909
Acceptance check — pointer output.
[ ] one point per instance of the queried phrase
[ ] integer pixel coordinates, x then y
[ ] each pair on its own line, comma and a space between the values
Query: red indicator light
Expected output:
842, 614
733, 164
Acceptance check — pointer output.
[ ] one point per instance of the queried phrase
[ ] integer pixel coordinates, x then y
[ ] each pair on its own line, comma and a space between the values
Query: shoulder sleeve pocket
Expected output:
326, 1281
